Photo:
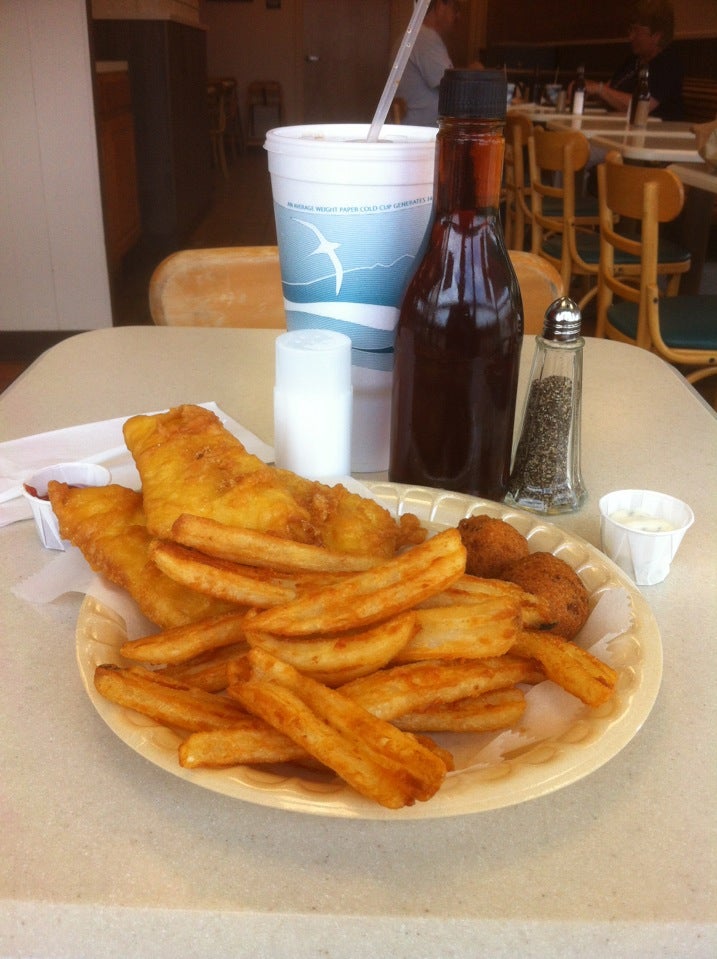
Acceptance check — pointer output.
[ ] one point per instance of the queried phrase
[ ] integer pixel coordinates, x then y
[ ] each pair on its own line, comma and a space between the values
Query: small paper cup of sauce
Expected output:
641, 531
35, 492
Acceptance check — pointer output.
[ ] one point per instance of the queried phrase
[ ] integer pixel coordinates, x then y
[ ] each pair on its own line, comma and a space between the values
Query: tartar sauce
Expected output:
643, 522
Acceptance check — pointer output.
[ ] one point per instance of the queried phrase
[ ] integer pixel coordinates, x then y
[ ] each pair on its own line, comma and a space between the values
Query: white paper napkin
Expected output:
93, 442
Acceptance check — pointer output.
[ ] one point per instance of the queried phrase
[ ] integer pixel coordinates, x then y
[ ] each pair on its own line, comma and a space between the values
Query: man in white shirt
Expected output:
428, 62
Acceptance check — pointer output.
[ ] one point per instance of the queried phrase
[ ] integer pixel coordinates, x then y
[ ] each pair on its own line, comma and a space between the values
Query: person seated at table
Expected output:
427, 63
650, 34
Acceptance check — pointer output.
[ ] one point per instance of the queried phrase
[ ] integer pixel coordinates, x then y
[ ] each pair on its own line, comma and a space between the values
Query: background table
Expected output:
650, 146
616, 123
105, 855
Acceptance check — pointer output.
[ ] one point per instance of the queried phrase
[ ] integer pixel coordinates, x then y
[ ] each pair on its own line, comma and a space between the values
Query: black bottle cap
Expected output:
482, 94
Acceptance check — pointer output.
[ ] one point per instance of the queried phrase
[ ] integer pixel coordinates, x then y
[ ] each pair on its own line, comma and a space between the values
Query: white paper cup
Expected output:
643, 552
74, 474
351, 217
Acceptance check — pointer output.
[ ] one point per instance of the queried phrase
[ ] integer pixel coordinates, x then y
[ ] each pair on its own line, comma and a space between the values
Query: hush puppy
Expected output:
491, 545
550, 577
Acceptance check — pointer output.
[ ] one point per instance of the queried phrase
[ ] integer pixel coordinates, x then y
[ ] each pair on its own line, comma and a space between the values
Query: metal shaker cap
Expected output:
562, 320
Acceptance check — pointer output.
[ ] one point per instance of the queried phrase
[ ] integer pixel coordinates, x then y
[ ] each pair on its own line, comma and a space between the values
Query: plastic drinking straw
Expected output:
399, 65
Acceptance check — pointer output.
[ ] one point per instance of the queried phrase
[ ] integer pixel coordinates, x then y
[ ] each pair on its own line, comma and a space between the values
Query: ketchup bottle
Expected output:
460, 327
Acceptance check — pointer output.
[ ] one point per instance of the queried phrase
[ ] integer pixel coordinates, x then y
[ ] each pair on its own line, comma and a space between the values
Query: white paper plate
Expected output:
592, 738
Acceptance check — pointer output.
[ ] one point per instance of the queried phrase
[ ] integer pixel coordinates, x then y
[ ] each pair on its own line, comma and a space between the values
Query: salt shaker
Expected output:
546, 475
312, 403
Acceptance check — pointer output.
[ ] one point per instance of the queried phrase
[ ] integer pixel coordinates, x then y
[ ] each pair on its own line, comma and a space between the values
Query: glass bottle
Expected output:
640, 102
459, 333
578, 102
546, 476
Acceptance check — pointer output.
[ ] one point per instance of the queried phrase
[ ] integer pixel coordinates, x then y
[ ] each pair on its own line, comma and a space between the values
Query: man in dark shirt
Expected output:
650, 35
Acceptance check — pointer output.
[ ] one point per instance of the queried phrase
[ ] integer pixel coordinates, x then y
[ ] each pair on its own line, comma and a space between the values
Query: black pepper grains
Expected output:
546, 475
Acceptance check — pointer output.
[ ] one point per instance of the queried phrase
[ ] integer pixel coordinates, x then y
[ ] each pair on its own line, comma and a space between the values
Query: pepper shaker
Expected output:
546, 475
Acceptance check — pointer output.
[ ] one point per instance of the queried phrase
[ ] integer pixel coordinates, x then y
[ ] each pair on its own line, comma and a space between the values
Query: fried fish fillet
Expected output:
107, 524
190, 463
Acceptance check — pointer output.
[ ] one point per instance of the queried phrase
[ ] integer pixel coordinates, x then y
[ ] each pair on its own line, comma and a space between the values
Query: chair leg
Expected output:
219, 155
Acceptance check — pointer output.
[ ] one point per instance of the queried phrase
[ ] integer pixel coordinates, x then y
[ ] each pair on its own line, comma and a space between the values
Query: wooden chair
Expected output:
680, 329
540, 284
398, 110
233, 128
241, 286
516, 182
217, 125
225, 286
563, 222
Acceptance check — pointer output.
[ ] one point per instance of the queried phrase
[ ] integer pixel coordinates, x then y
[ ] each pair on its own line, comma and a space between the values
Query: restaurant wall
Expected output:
251, 41
557, 20
53, 269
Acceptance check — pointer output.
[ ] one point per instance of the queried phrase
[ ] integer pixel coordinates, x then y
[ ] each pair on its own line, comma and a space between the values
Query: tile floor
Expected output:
241, 215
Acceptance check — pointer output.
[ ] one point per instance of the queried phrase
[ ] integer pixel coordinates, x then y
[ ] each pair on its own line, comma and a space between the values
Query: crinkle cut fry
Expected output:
393, 587
218, 577
167, 701
568, 665
256, 548
254, 742
182, 643
395, 691
374, 757
476, 714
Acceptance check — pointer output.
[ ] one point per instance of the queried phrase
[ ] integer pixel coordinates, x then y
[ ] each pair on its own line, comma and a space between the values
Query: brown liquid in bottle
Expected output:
459, 334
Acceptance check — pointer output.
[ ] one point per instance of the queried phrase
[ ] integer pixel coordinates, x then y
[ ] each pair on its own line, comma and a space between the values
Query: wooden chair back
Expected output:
518, 130
540, 284
649, 196
224, 286
398, 110
556, 159
653, 196
241, 286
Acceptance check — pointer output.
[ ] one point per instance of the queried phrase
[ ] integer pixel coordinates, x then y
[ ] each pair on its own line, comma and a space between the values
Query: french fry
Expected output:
182, 643
535, 610
568, 665
252, 742
334, 660
414, 687
218, 577
476, 714
208, 671
254, 548
378, 760
166, 701
364, 598
463, 632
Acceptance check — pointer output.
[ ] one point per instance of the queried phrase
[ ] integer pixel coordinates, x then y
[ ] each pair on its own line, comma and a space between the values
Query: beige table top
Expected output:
542, 113
612, 123
702, 176
107, 855
650, 146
